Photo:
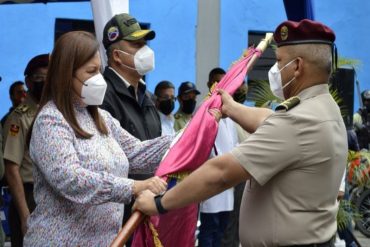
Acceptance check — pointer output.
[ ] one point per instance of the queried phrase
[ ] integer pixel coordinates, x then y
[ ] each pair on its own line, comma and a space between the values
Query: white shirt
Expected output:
167, 123
226, 140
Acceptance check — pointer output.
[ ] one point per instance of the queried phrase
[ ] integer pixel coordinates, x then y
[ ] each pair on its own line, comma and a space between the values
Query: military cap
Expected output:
124, 27
303, 32
187, 87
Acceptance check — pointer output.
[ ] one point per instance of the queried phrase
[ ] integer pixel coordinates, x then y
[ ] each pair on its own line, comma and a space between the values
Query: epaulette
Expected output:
177, 115
288, 104
22, 108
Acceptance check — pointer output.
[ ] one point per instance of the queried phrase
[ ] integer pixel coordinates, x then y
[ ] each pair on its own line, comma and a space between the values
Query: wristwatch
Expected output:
158, 204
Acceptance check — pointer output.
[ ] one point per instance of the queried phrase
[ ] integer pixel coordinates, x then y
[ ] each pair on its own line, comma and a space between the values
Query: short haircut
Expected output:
110, 49
162, 85
215, 71
318, 55
13, 86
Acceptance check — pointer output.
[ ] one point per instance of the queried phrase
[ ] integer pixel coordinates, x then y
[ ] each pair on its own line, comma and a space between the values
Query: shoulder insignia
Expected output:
14, 130
22, 108
288, 104
177, 115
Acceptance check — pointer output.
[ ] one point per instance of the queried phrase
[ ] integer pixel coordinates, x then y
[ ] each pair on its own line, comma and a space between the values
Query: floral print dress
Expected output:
81, 184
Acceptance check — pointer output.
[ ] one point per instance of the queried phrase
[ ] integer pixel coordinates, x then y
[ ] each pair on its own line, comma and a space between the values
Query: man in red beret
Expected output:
294, 160
18, 164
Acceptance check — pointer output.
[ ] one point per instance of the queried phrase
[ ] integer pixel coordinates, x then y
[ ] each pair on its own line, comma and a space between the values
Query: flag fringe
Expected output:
156, 240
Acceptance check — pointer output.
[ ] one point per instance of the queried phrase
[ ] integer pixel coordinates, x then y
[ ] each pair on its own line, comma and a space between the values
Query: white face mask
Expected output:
93, 90
276, 84
143, 59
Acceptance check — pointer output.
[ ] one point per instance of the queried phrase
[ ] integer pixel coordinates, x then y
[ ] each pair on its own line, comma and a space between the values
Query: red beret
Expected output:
37, 62
303, 32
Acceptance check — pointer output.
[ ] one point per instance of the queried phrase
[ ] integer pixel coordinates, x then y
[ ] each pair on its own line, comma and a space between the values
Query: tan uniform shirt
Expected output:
297, 159
181, 119
15, 136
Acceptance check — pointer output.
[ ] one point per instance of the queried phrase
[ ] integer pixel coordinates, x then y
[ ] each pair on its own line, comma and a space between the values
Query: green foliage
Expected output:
260, 92
346, 213
343, 61
338, 99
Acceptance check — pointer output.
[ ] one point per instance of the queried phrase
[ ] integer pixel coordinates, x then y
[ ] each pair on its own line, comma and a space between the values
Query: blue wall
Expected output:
174, 22
22, 38
28, 29
239, 17
350, 21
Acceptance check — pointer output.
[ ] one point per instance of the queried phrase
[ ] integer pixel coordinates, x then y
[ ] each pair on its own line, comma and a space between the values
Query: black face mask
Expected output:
166, 106
367, 107
188, 106
37, 89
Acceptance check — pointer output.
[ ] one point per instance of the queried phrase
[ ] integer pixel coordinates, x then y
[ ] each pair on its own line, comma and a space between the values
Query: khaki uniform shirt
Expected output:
296, 159
15, 136
181, 119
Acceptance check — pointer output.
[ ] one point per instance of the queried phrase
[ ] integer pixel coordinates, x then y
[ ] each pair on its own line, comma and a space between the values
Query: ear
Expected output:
299, 67
115, 56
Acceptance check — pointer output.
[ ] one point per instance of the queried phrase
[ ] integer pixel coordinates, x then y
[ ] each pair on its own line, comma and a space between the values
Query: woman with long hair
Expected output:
82, 155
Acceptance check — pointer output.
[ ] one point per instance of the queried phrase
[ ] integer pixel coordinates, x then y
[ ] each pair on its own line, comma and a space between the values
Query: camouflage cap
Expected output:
124, 27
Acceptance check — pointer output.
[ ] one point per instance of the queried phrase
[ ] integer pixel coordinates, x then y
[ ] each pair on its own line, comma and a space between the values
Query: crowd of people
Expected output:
79, 145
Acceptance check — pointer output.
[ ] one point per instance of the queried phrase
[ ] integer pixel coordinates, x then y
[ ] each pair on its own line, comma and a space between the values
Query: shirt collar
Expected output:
124, 80
166, 117
314, 91
139, 93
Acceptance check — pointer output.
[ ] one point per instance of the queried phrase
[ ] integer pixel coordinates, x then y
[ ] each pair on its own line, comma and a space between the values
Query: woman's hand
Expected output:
145, 203
154, 184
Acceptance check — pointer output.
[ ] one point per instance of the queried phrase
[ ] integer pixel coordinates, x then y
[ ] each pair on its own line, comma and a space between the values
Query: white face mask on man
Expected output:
276, 84
93, 90
143, 60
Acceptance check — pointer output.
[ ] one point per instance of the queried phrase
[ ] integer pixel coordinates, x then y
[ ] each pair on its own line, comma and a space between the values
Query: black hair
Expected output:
13, 86
162, 85
215, 71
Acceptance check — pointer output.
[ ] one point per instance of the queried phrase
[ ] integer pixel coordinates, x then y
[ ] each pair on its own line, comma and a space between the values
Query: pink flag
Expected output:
177, 228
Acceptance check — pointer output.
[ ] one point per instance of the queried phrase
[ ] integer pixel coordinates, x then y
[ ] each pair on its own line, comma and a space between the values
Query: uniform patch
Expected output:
14, 130
113, 33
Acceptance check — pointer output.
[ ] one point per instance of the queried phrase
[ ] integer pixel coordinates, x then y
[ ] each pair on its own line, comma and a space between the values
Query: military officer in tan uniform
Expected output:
187, 97
18, 164
294, 159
